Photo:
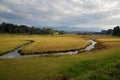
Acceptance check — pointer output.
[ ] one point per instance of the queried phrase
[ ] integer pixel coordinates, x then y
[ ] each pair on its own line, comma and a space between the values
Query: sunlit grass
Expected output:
41, 43
55, 43
10, 42
52, 68
6, 46
103, 64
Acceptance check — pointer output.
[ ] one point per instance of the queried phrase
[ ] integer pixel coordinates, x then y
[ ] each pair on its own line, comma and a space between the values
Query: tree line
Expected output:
23, 29
115, 31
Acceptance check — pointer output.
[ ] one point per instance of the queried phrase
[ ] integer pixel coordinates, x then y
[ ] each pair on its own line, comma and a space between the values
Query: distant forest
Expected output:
23, 29
115, 31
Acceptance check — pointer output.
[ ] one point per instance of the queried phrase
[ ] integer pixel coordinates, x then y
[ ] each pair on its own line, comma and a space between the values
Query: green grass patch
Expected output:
105, 67
76, 67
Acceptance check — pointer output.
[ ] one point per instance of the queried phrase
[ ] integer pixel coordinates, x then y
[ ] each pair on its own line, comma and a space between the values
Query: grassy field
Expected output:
99, 64
41, 43
54, 43
10, 42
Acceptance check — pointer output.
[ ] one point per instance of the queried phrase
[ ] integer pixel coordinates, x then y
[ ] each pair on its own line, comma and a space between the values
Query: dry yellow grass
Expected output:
54, 43
42, 43
10, 42
99, 64
111, 42
106, 40
80, 66
9, 45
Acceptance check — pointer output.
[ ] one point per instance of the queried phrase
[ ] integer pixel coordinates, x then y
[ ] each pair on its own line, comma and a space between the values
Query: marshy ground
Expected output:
41, 43
102, 63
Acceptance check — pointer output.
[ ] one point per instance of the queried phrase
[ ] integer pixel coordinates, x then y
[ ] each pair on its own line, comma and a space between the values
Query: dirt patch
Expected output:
99, 46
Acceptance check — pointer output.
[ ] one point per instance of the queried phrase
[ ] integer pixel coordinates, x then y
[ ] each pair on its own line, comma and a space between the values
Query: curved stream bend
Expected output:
16, 54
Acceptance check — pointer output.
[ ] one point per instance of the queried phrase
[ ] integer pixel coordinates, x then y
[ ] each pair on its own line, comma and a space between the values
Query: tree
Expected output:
18, 29
104, 32
116, 31
109, 32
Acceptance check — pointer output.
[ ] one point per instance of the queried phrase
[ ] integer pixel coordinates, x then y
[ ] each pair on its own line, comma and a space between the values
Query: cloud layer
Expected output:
73, 13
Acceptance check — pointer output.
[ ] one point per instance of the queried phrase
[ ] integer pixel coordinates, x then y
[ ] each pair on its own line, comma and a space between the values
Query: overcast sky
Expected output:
73, 13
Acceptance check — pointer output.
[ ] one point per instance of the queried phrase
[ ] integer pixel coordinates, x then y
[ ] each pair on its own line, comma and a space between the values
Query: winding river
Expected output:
15, 53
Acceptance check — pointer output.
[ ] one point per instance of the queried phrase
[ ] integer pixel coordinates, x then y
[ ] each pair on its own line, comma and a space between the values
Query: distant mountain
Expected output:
93, 29
69, 29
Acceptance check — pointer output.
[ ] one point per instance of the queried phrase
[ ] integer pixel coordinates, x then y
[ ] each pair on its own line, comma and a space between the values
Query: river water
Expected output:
16, 54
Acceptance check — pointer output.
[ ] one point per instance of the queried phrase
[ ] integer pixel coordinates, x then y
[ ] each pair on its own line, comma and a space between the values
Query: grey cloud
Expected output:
61, 12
